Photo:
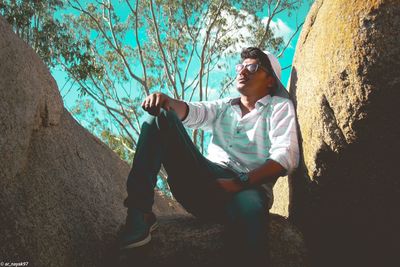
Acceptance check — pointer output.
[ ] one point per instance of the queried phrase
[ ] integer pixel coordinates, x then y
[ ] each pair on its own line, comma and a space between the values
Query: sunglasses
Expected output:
252, 68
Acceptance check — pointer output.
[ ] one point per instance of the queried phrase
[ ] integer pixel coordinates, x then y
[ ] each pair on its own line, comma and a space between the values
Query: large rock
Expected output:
345, 82
62, 189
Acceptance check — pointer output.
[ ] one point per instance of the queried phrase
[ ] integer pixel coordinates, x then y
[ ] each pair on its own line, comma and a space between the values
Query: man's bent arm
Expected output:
270, 171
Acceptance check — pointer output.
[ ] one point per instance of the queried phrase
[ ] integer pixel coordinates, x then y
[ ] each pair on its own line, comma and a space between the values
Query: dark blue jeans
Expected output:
164, 140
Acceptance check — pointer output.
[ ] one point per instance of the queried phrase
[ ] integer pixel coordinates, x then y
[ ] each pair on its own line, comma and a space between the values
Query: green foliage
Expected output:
34, 22
85, 112
115, 57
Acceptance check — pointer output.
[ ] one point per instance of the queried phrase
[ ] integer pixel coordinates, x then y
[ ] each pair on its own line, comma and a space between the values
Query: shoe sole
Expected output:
145, 241
154, 226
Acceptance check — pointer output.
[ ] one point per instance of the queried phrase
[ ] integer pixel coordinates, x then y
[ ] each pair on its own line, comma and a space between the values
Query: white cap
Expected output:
276, 67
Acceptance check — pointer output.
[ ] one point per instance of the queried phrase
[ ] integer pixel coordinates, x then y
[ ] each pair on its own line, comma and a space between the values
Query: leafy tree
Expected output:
34, 22
164, 45
171, 46
117, 52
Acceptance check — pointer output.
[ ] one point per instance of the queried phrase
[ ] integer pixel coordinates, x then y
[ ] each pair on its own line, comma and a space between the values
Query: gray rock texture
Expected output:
188, 241
345, 83
63, 189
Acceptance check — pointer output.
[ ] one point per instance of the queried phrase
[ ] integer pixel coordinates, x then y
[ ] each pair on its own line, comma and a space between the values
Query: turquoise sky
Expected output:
289, 23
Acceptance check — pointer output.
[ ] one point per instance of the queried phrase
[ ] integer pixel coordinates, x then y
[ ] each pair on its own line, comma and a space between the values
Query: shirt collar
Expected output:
234, 101
264, 101
260, 102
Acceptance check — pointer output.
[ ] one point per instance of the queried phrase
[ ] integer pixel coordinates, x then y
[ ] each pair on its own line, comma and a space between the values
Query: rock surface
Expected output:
281, 197
63, 189
345, 82
187, 241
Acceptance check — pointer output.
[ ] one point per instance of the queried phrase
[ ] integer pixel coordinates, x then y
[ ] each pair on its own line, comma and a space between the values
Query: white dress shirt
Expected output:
245, 143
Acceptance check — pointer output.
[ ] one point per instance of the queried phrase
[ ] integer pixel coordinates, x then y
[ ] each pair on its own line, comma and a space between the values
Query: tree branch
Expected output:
160, 47
144, 69
291, 37
117, 49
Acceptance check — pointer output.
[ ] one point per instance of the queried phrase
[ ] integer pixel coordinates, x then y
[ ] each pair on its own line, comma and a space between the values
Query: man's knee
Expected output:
165, 118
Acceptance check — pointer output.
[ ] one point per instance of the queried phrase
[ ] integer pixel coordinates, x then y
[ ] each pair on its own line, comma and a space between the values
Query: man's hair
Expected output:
263, 60
256, 53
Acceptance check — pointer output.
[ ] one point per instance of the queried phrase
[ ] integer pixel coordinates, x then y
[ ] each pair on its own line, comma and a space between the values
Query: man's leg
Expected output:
164, 140
247, 218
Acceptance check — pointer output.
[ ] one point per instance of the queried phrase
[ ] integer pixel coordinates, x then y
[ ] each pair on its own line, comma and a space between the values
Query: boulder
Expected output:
345, 84
62, 188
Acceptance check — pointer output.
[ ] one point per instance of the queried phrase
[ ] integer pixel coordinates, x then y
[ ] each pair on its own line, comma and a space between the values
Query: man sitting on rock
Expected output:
254, 141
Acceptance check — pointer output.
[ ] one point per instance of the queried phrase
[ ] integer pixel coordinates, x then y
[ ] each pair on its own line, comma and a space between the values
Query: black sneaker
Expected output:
138, 228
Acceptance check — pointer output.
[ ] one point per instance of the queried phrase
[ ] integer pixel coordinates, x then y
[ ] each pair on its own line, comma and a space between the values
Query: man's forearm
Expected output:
270, 171
180, 107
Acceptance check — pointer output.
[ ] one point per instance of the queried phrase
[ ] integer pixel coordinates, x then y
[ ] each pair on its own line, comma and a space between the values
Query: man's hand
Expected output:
229, 185
154, 102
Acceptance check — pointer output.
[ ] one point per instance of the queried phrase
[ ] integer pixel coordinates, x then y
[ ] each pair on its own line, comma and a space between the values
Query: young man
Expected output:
254, 141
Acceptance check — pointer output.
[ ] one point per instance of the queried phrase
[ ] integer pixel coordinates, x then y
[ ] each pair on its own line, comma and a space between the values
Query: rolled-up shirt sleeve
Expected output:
283, 135
202, 114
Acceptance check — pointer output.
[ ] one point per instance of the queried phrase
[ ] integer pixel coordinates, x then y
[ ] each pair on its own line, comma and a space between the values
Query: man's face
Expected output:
253, 84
